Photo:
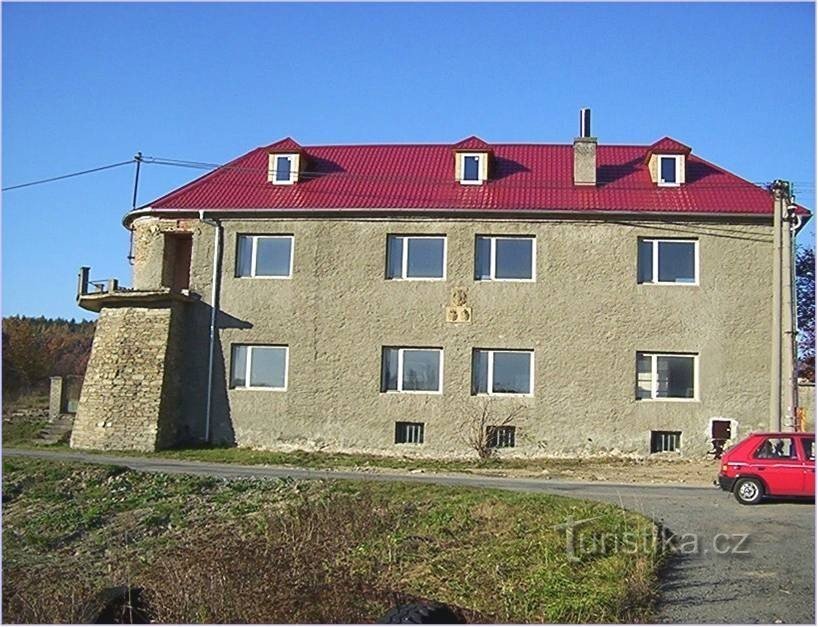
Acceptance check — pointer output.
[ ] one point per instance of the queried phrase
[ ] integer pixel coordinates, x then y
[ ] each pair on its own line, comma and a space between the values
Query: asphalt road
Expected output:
732, 563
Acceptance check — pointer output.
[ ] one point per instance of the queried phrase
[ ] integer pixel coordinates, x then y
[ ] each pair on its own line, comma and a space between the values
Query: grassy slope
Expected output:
208, 550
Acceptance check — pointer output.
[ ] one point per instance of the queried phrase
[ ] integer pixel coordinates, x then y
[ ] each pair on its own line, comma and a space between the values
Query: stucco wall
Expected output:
585, 317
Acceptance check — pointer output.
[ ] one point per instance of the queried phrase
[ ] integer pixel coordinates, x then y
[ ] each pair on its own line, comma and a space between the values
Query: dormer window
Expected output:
670, 174
283, 168
473, 168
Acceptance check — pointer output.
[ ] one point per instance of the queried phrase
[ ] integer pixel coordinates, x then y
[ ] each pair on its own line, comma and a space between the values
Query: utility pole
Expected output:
780, 190
790, 305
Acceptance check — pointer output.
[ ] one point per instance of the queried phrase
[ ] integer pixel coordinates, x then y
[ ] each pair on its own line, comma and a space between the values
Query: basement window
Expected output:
409, 432
412, 370
501, 437
264, 256
259, 367
665, 441
502, 372
666, 376
416, 257
504, 258
669, 170
668, 261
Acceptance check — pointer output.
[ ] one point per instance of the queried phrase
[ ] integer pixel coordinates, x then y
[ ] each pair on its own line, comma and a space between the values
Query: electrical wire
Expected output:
67, 176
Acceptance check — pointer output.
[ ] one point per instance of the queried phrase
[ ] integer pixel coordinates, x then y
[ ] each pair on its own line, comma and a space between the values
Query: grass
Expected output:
209, 550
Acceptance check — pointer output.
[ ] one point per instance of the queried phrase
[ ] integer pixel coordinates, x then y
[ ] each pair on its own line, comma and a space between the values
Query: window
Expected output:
269, 256
809, 447
283, 169
776, 448
409, 432
502, 372
501, 437
669, 170
472, 168
412, 370
416, 257
259, 367
666, 376
668, 261
665, 441
504, 258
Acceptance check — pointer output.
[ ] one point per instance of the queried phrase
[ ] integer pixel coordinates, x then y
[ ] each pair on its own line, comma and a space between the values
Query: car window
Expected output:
776, 448
809, 447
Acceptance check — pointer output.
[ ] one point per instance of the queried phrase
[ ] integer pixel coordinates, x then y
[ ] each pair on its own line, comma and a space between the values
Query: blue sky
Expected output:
90, 84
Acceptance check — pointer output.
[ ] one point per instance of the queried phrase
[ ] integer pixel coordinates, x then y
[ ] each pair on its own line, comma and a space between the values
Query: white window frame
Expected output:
659, 180
254, 253
400, 389
481, 167
405, 256
655, 241
249, 362
272, 169
493, 258
650, 442
490, 372
654, 378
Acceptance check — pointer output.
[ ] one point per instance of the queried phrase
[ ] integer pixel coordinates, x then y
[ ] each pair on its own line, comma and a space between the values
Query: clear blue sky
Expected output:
87, 85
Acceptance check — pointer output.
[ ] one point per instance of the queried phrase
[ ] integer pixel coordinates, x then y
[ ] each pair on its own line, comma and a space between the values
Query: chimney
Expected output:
585, 151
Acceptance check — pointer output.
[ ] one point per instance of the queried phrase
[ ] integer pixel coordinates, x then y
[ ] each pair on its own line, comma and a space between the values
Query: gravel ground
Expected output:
733, 563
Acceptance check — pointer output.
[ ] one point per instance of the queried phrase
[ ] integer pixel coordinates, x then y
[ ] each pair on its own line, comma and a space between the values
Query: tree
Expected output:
805, 293
480, 422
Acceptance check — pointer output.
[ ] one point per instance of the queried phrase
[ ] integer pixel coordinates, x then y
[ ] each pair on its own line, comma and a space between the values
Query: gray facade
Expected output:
584, 316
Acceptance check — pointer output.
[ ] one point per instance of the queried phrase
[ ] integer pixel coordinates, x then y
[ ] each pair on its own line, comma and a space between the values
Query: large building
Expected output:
565, 299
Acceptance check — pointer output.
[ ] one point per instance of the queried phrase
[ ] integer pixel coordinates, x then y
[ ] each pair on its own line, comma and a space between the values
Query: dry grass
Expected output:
206, 550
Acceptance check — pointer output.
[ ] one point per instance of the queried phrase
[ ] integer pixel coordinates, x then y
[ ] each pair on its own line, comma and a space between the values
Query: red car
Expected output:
769, 465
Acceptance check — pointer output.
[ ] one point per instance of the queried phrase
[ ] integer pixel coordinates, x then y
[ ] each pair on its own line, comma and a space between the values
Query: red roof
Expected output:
668, 145
522, 177
472, 143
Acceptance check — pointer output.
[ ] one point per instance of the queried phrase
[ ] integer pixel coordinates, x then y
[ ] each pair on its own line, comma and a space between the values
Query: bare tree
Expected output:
481, 421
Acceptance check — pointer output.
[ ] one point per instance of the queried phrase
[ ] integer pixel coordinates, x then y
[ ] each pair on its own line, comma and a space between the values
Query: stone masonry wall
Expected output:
123, 404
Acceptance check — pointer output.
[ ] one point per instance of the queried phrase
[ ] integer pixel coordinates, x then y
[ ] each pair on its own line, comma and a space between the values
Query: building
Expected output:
591, 298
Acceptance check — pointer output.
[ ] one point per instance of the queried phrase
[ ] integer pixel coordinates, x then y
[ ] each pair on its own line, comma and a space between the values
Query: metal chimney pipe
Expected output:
585, 122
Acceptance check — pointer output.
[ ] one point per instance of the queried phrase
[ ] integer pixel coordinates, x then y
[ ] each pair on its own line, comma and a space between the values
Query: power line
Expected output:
67, 176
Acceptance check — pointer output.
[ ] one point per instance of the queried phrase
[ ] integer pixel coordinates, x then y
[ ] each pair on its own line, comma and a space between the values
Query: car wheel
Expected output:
748, 491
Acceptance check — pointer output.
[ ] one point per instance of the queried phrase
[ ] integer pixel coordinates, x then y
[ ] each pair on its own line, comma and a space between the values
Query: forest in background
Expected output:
35, 349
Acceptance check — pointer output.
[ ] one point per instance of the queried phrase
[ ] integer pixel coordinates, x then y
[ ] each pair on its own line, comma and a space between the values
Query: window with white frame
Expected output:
472, 168
264, 256
668, 261
502, 371
665, 441
501, 437
409, 432
669, 174
283, 169
412, 370
666, 376
259, 367
500, 258
417, 257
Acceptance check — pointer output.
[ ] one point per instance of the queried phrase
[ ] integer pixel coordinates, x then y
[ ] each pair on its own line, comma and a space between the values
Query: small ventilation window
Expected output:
665, 441
409, 432
501, 437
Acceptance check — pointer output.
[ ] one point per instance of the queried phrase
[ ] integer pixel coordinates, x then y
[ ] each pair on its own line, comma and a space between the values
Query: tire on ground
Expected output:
420, 614
748, 491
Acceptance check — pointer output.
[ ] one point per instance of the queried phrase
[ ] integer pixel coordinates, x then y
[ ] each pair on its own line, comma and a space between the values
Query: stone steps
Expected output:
56, 431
